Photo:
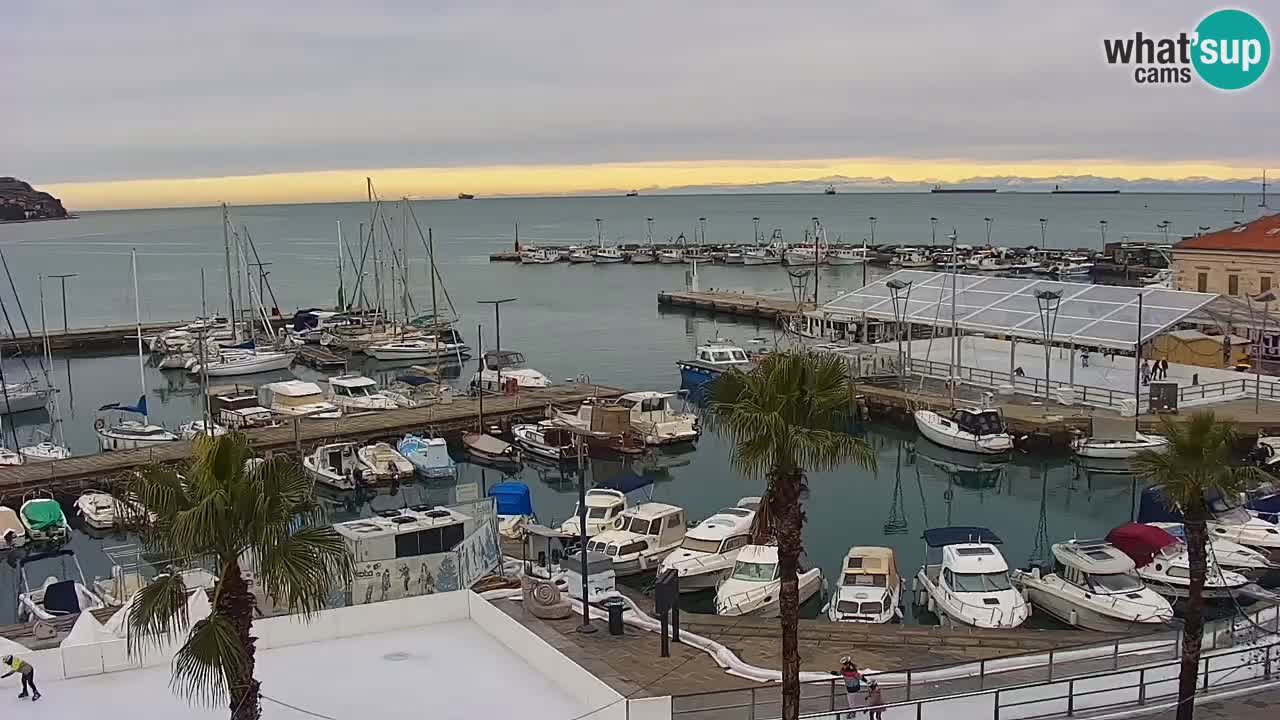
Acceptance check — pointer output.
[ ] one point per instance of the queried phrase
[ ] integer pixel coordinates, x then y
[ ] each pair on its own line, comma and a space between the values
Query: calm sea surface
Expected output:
598, 321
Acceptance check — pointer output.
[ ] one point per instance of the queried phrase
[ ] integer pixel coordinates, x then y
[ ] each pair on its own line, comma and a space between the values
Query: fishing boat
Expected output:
501, 367
965, 580
539, 256
909, 257
754, 586
671, 256
381, 462
514, 508
870, 587
710, 548
103, 511
642, 537
1094, 586
1163, 563
1116, 439
55, 597
644, 256
429, 456
607, 256
13, 534
710, 361
357, 393
547, 439
334, 464
805, 255
1071, 266
604, 509
44, 520
975, 430
847, 256
654, 420
579, 256
1230, 555
733, 256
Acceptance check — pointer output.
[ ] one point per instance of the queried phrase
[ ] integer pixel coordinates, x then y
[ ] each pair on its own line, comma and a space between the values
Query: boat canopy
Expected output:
1093, 556
512, 498
501, 359
140, 408
1113, 429
958, 535
1140, 542
1152, 506
416, 380
870, 566
45, 514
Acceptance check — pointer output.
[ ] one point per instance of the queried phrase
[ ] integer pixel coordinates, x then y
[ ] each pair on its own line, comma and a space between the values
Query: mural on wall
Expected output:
476, 556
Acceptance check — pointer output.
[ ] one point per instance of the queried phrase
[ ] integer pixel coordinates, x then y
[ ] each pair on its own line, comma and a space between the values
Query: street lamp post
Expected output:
63, 280
988, 221
1102, 228
933, 231
1044, 228
756, 221
899, 289
581, 435
871, 220
1048, 302
497, 318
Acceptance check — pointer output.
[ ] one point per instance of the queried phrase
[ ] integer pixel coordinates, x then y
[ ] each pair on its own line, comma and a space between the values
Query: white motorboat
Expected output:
242, 362
297, 398
643, 537
754, 585
43, 451
333, 465
381, 463
189, 430
965, 580
13, 534
710, 548
44, 520
1163, 563
9, 457
1227, 521
608, 256
357, 393
975, 430
653, 418
847, 256
1231, 556
55, 598
547, 439
421, 349
761, 256
131, 434
804, 255
582, 255
909, 257
22, 397
1094, 586
505, 367
604, 508
710, 361
490, 450
644, 256
870, 587
429, 456
1072, 266
539, 256
103, 511
1116, 439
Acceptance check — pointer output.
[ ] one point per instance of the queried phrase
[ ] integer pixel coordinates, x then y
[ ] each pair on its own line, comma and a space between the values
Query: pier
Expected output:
442, 418
732, 303
106, 337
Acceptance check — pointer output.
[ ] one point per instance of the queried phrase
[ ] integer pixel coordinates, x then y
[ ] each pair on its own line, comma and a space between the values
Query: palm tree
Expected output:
230, 508
1196, 468
786, 417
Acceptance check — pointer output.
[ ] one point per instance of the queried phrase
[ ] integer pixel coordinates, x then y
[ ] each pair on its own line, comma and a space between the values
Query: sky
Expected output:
141, 103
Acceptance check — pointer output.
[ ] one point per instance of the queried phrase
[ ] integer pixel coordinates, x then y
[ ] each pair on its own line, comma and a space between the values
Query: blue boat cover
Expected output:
939, 537
513, 498
415, 380
140, 408
1152, 506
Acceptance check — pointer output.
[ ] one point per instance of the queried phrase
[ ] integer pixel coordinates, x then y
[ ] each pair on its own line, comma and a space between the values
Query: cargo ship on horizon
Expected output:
940, 189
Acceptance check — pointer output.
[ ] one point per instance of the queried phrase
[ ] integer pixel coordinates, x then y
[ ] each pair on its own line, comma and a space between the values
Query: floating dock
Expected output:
445, 419
107, 337
317, 358
731, 303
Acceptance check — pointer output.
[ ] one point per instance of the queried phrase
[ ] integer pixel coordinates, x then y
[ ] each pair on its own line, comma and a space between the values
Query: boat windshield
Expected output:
699, 545
1231, 516
595, 513
641, 526
980, 582
754, 572
851, 580
1114, 582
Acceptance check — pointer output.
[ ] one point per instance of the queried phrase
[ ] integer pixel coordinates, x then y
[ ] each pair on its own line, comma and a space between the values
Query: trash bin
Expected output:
615, 606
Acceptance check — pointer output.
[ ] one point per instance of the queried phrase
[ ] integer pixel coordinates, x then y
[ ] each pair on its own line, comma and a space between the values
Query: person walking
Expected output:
1084, 357
1164, 369
875, 699
852, 684
18, 665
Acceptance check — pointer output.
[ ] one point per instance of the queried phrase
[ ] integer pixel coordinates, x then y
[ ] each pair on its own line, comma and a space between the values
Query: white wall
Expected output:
361, 620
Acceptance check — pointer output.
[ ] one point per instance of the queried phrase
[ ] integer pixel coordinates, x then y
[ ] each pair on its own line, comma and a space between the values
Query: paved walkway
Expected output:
1254, 706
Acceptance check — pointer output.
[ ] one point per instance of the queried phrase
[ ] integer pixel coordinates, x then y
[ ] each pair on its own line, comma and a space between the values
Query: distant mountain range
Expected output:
1004, 183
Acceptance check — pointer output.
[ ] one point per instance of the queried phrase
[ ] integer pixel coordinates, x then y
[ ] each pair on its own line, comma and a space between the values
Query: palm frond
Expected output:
211, 656
303, 567
1197, 464
157, 613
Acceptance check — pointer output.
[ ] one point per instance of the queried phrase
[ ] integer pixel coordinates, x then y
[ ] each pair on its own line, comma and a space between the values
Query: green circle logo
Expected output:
1231, 49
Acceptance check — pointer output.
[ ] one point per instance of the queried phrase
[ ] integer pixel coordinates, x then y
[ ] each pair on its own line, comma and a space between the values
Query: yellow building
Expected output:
1192, 347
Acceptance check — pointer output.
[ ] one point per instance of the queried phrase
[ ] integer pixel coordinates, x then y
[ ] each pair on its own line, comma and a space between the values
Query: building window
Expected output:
1233, 285
1264, 284
1202, 282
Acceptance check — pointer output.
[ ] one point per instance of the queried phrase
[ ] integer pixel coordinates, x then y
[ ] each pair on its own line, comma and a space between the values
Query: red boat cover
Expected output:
1140, 542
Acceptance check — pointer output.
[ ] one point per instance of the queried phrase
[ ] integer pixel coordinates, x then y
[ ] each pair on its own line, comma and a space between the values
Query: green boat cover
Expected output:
42, 514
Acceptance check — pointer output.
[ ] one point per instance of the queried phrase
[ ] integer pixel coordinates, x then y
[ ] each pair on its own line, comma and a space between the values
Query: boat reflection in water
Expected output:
968, 470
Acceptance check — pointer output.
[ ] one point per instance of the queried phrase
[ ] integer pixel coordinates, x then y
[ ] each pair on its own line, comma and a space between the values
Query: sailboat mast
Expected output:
435, 316
955, 340
480, 385
57, 435
226, 251
342, 301
204, 363
404, 263
137, 315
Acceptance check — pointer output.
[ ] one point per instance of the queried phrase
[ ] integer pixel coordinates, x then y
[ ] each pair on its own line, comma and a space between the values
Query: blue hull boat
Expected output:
429, 456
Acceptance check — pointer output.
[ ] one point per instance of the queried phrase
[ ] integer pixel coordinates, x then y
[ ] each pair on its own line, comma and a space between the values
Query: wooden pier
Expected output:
317, 358
446, 419
731, 303
107, 337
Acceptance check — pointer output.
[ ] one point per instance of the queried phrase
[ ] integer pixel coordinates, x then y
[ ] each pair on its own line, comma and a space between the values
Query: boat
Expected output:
633, 193
1116, 439
419, 349
1230, 555
429, 456
243, 362
1071, 266
870, 587
604, 507
1227, 520
761, 256
710, 548
733, 256
539, 256
491, 450
189, 430
310, 325
754, 586
710, 361
608, 256
334, 464
642, 537
1162, 562
466, 196
357, 393
941, 189
44, 520
13, 534
671, 256
55, 598
804, 255
847, 256
909, 258
1094, 586
382, 463
975, 430
1266, 451
297, 398
644, 256
965, 580
23, 397
547, 439
829, 190
42, 452
514, 508
102, 511
582, 255
653, 419
502, 367
1057, 190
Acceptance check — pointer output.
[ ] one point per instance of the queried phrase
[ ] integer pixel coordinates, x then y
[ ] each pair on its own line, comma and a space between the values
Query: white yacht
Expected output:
870, 587
753, 586
297, 398
103, 511
357, 393
55, 598
653, 418
1162, 562
710, 361
975, 430
604, 508
547, 439
1230, 555
418, 349
644, 536
965, 580
1094, 586
1116, 439
1227, 521
13, 534
21, 397
43, 451
333, 465
507, 366
243, 362
381, 463
711, 547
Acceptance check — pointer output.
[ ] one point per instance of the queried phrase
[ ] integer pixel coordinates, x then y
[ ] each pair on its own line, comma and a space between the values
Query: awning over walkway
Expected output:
1101, 315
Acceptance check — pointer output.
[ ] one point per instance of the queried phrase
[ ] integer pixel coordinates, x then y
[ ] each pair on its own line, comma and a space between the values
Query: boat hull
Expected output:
248, 366
110, 442
24, 401
756, 260
1117, 450
696, 375
980, 446
1082, 616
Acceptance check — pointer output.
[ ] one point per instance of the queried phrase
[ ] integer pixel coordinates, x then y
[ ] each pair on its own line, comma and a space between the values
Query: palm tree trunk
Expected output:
1193, 617
236, 602
784, 502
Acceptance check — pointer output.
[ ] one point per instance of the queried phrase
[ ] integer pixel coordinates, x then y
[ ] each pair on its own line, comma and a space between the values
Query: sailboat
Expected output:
485, 448
48, 449
132, 434
443, 343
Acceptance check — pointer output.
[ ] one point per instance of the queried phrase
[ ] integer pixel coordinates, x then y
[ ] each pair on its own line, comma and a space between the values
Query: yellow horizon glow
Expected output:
515, 180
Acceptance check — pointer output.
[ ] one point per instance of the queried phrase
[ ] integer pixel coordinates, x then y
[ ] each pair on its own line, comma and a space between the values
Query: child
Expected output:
874, 699
852, 684
17, 665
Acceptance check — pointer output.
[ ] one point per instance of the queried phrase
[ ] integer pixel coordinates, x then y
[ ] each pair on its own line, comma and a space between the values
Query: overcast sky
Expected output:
121, 90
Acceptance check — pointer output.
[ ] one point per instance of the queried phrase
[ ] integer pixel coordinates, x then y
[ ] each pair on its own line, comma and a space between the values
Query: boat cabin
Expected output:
503, 359
869, 567
405, 533
352, 386
729, 529
756, 563
247, 417
979, 421
294, 397
604, 506
966, 560
720, 354
1096, 566
649, 530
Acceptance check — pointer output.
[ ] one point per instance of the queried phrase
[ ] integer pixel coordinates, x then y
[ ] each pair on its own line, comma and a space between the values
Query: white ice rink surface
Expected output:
440, 671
